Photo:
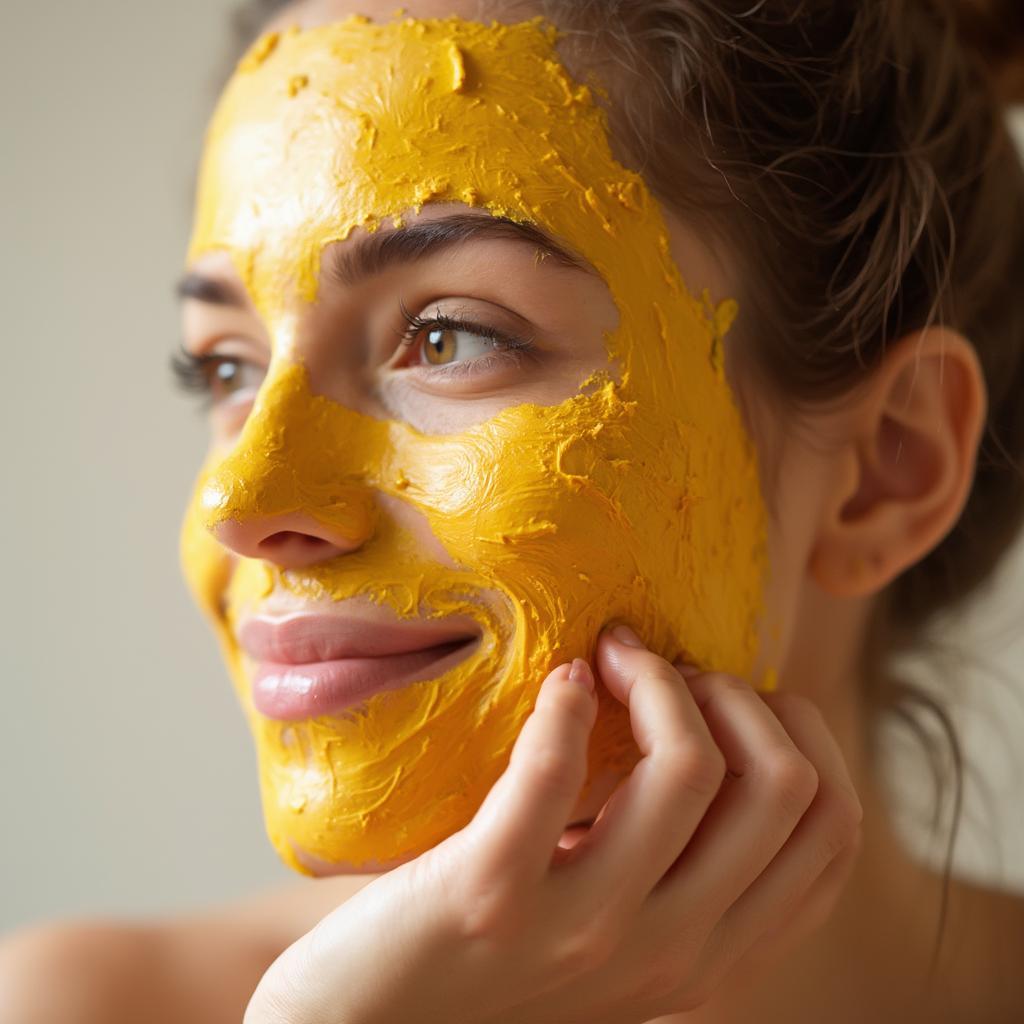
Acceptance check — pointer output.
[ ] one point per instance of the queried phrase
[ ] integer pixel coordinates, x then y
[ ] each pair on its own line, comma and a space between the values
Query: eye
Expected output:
228, 376
441, 345
218, 378
446, 341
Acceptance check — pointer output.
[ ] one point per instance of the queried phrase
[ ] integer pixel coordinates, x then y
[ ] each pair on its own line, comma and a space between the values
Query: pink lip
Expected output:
310, 665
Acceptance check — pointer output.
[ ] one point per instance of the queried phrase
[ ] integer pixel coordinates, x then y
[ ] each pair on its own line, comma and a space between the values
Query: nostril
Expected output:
276, 542
298, 541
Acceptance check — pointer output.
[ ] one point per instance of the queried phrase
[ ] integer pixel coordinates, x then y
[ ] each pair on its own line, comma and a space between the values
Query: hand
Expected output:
733, 835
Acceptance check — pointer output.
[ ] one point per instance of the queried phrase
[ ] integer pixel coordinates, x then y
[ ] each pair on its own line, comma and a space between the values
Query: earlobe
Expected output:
906, 468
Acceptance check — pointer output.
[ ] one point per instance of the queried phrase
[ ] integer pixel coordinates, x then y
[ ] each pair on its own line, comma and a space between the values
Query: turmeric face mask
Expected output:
635, 498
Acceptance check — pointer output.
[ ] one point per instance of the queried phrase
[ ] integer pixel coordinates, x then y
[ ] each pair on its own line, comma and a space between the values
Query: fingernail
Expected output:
579, 672
626, 636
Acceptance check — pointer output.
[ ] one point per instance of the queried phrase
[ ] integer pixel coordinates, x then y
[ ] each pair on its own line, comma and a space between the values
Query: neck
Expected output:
874, 955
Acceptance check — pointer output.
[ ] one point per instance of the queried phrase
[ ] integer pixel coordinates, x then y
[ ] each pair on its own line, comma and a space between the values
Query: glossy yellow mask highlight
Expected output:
636, 498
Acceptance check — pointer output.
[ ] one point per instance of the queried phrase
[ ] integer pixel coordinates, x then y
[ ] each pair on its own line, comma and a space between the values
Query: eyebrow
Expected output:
212, 290
377, 251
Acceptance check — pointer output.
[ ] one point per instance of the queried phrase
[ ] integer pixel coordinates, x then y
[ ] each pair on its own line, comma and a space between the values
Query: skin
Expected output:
600, 473
861, 490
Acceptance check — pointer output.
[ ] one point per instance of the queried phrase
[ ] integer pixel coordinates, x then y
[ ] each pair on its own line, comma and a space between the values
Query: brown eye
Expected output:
229, 376
439, 346
218, 378
442, 341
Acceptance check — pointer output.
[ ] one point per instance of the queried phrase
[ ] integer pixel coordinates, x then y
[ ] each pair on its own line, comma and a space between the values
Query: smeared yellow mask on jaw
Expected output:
636, 498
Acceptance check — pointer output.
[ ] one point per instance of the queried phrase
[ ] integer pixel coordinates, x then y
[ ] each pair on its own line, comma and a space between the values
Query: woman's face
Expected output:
465, 413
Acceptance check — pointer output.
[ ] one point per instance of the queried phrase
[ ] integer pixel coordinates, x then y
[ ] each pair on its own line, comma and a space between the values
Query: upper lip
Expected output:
306, 638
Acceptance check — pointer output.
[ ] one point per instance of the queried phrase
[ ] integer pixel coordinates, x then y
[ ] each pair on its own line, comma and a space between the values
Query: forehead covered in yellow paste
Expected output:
637, 497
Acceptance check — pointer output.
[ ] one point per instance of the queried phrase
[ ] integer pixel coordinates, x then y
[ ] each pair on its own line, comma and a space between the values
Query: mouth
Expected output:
312, 665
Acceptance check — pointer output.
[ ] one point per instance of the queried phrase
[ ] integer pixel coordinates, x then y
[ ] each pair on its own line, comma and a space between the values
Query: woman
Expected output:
555, 448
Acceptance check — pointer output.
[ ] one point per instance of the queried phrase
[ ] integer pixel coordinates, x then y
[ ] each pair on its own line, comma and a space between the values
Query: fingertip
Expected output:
581, 675
626, 636
573, 676
560, 673
613, 661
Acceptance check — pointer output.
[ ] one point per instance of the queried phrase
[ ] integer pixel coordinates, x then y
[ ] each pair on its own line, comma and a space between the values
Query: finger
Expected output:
813, 911
517, 828
829, 826
770, 786
654, 812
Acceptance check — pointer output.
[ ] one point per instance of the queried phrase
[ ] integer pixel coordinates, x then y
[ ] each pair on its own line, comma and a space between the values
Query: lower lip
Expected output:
293, 693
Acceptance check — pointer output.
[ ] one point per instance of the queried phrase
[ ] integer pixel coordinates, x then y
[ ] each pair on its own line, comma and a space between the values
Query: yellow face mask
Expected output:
637, 498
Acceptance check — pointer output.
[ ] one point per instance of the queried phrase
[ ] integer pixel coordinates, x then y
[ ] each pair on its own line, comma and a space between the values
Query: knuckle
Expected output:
271, 1006
716, 691
790, 707
794, 709
587, 949
791, 778
660, 673
697, 769
841, 817
660, 978
286, 1007
551, 773
489, 921
847, 809
280, 994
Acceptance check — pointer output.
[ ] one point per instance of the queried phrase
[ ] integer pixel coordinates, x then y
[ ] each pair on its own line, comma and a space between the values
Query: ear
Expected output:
906, 464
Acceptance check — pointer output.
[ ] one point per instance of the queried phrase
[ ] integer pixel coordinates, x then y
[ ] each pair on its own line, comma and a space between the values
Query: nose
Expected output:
293, 541
299, 486
262, 517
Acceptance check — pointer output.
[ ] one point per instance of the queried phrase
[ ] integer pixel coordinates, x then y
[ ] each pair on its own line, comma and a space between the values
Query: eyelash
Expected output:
193, 374
506, 346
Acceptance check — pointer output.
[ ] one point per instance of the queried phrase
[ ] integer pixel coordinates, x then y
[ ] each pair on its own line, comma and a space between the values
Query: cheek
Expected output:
412, 523
578, 513
525, 487
607, 506
794, 473
205, 564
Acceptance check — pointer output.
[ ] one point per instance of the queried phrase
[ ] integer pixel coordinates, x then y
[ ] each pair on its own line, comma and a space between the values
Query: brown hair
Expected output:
854, 154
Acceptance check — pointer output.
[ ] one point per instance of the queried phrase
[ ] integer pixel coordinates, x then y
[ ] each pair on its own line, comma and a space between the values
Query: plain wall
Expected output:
127, 778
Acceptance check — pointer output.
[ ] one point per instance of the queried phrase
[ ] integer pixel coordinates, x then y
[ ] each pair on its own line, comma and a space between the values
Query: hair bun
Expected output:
995, 29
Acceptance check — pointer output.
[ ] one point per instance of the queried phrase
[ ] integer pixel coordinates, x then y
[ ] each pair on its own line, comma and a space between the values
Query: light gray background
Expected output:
127, 780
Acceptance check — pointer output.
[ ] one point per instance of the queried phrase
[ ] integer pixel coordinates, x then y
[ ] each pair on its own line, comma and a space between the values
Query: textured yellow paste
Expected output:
637, 498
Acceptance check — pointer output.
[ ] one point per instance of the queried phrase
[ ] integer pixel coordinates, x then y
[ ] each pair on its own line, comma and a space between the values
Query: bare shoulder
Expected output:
73, 971
201, 968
